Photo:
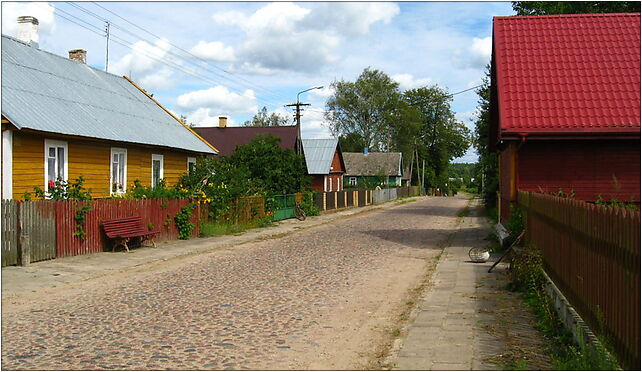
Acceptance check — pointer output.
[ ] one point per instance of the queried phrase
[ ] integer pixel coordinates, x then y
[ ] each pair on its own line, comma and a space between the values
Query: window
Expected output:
118, 170
55, 162
157, 169
191, 164
352, 181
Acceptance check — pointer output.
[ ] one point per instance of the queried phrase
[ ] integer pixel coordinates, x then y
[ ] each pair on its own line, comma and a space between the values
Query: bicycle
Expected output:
299, 213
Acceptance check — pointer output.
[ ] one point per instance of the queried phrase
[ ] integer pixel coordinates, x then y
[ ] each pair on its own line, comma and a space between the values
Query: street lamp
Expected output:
303, 91
297, 115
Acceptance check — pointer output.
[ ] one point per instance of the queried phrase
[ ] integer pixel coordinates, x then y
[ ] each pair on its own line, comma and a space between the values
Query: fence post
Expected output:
24, 243
325, 207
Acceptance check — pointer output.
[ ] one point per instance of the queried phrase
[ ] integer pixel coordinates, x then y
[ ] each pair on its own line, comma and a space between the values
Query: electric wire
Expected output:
160, 59
277, 95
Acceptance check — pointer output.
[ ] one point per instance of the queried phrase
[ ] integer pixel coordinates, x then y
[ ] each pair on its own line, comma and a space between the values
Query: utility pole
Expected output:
297, 118
107, 48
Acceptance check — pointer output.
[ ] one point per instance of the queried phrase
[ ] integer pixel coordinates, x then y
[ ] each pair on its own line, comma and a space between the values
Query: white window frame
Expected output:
162, 168
117, 150
190, 160
7, 164
55, 143
352, 181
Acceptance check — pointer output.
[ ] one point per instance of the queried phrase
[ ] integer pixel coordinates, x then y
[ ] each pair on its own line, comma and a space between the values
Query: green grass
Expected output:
209, 229
565, 353
464, 213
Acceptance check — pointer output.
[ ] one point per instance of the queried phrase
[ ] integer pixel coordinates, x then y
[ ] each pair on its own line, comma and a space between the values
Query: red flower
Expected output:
51, 184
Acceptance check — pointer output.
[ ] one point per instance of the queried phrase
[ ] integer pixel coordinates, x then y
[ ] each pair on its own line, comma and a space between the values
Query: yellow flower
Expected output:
144, 196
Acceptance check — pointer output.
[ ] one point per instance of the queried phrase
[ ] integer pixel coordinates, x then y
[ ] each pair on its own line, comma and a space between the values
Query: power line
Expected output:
191, 54
160, 59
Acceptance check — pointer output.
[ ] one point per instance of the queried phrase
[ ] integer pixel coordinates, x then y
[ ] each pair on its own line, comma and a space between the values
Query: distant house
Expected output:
226, 139
371, 169
565, 105
62, 119
325, 163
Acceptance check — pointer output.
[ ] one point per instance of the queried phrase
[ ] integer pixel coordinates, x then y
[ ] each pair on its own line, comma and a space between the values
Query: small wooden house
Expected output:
565, 106
324, 161
371, 169
62, 119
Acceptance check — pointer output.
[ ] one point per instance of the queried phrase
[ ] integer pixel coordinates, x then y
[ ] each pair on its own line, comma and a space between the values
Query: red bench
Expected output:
122, 230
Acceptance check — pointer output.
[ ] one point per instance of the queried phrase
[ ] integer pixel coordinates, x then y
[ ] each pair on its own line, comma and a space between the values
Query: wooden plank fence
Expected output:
592, 253
9, 232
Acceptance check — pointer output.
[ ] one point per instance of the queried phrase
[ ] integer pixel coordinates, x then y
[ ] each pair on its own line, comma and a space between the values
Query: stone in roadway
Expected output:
319, 298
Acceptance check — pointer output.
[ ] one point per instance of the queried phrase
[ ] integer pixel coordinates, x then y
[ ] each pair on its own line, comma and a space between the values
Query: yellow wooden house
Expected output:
62, 119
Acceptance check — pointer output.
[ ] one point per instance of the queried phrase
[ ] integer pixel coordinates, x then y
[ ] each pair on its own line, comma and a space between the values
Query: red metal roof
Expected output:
568, 73
226, 139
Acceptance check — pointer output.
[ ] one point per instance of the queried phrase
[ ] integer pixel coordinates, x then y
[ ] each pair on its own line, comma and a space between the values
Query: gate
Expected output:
284, 206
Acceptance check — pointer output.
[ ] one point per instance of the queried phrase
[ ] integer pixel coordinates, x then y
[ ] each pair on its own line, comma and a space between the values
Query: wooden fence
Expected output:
592, 253
40, 230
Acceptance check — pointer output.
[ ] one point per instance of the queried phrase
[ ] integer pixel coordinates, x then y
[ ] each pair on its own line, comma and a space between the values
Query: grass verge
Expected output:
209, 229
527, 277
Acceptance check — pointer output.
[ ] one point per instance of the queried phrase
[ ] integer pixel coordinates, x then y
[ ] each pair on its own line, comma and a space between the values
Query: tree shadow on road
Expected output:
418, 238
432, 210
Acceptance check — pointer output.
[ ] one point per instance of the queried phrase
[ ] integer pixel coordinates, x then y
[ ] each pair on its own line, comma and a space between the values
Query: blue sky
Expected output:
243, 56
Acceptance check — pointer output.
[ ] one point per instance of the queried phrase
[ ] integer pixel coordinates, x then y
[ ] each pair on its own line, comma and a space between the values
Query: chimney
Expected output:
365, 151
28, 30
222, 121
79, 55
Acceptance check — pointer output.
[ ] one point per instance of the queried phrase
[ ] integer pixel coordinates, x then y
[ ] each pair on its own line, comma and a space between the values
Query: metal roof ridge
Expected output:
59, 56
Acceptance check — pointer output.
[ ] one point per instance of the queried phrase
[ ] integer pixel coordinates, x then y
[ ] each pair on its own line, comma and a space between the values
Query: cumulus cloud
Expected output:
219, 99
287, 36
44, 12
207, 117
214, 50
352, 18
324, 93
313, 124
143, 58
159, 80
407, 81
480, 51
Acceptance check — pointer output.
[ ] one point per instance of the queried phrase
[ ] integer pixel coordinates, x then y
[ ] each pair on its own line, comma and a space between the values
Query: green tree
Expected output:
525, 8
351, 142
442, 138
262, 119
488, 164
364, 109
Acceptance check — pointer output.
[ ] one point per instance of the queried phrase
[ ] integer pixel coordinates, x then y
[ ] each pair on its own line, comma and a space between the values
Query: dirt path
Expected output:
321, 298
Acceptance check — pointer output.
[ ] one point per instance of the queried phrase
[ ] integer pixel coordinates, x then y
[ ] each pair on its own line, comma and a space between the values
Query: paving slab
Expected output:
457, 325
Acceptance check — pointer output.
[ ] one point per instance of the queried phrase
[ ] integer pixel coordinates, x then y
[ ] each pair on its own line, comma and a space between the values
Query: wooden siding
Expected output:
588, 168
92, 160
336, 167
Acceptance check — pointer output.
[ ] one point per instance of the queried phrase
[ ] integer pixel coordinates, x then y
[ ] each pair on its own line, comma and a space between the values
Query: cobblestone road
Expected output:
262, 305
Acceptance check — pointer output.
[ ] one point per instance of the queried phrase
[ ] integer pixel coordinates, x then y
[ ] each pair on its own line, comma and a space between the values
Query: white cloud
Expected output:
407, 81
251, 68
324, 93
313, 124
207, 117
143, 58
44, 12
352, 18
159, 80
215, 51
220, 99
480, 51
287, 36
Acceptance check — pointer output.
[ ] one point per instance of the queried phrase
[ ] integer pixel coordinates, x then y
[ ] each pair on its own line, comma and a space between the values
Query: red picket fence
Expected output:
159, 213
592, 253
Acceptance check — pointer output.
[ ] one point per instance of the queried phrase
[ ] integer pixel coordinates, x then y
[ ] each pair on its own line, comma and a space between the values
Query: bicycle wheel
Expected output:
299, 213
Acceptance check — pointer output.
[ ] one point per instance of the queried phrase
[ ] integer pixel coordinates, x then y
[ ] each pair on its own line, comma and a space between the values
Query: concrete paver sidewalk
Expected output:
42, 275
467, 319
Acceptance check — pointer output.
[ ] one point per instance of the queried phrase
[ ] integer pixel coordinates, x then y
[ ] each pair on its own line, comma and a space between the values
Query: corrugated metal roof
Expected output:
575, 73
319, 154
50, 93
372, 164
